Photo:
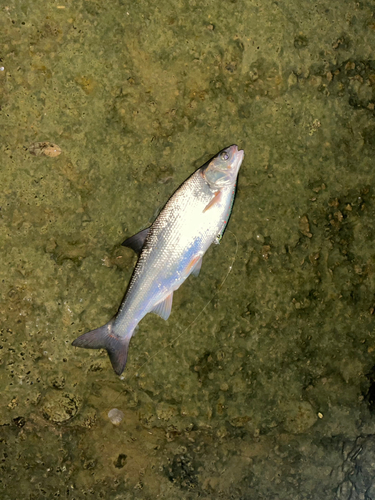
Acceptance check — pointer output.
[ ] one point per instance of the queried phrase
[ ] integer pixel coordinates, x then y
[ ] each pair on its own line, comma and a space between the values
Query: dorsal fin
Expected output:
136, 241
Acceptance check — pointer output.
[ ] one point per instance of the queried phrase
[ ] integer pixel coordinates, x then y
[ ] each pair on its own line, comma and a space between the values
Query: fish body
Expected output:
170, 250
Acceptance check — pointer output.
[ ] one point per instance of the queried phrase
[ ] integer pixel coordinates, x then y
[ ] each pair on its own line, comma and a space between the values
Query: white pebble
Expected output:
115, 416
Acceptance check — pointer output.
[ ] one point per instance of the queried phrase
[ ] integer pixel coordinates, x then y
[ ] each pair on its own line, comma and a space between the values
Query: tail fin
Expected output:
104, 338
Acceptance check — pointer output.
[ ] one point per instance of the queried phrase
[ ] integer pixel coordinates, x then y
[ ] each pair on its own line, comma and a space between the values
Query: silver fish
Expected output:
170, 250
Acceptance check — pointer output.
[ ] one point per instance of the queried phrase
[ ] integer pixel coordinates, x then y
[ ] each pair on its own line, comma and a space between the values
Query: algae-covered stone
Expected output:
165, 411
299, 417
44, 149
60, 408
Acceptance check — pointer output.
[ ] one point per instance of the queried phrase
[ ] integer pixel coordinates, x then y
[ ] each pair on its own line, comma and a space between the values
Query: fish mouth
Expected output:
237, 155
241, 154
235, 151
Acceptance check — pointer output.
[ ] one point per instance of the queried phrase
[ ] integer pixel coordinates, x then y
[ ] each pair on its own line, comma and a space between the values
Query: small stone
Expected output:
44, 149
292, 80
266, 252
115, 416
60, 408
314, 257
350, 65
334, 202
58, 382
51, 245
299, 417
221, 432
339, 216
304, 226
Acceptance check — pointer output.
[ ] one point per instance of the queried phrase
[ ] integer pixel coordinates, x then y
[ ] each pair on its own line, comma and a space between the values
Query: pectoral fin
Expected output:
197, 267
193, 266
163, 309
216, 199
136, 241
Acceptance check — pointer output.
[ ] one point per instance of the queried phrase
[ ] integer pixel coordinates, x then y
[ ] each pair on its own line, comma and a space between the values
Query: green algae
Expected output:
270, 392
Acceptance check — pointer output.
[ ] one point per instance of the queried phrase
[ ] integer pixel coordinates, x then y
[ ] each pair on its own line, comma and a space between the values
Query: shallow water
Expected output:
267, 394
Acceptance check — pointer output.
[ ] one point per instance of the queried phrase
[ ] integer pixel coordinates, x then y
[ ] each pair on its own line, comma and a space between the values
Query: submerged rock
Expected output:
115, 416
44, 149
60, 408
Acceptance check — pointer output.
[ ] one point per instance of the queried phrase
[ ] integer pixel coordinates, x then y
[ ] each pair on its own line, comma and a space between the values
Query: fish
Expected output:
170, 250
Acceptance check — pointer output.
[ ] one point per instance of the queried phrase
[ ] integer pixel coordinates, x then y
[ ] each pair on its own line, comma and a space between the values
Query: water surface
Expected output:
269, 392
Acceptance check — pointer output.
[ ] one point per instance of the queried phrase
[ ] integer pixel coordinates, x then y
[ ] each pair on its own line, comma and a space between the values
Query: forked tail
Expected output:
105, 338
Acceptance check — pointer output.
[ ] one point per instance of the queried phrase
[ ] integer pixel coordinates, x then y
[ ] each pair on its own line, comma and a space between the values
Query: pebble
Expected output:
44, 149
115, 416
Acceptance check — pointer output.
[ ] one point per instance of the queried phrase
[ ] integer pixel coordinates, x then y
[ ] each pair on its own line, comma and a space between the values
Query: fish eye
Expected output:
224, 156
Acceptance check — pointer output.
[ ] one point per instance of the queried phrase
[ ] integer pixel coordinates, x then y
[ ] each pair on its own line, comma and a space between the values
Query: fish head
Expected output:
223, 169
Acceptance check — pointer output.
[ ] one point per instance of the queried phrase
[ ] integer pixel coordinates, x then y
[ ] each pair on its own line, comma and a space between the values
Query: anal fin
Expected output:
193, 266
163, 308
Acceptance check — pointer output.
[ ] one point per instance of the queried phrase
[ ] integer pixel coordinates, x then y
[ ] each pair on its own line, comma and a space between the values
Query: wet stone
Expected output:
115, 416
44, 149
304, 226
60, 408
299, 417
183, 472
165, 411
58, 382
